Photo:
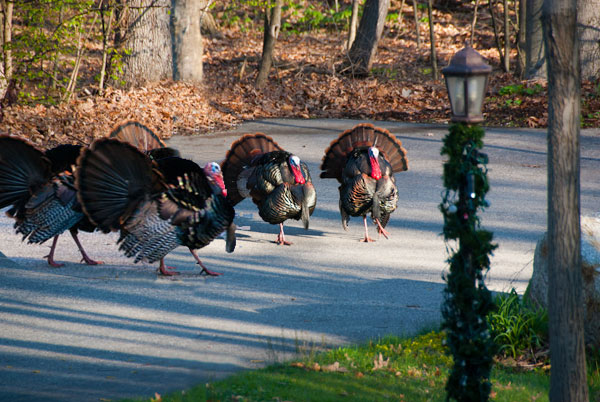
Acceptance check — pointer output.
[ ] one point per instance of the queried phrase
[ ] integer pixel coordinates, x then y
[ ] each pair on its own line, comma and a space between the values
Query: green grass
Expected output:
412, 369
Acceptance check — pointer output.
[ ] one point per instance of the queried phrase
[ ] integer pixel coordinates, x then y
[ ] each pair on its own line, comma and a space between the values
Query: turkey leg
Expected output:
204, 269
165, 270
381, 230
85, 258
367, 239
50, 256
281, 237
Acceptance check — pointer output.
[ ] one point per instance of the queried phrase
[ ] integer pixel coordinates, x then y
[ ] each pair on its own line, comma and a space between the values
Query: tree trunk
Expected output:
588, 24
7, 15
417, 25
474, 21
568, 379
272, 27
187, 40
369, 31
146, 42
434, 66
353, 24
208, 25
535, 62
506, 64
521, 38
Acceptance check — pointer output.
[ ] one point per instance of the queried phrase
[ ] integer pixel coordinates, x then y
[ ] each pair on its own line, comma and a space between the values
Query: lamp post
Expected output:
466, 81
467, 301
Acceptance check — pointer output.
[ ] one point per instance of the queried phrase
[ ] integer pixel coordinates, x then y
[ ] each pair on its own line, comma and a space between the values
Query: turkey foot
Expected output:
381, 230
85, 258
367, 239
207, 271
166, 270
281, 237
50, 256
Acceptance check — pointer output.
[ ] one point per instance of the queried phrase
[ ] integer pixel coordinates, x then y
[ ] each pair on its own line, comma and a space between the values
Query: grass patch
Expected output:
402, 369
396, 369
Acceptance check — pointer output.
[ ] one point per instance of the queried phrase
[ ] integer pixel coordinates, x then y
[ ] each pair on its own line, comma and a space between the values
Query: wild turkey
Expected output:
277, 181
156, 205
40, 189
364, 160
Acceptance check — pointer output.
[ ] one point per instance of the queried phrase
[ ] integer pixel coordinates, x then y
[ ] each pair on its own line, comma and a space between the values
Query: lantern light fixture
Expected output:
466, 81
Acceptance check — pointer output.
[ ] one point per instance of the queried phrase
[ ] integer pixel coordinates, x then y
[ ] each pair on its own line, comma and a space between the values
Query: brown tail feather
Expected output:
23, 170
137, 135
113, 178
363, 135
241, 153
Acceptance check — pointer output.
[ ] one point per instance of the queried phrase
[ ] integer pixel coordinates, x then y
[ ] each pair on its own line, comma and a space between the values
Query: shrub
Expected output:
517, 327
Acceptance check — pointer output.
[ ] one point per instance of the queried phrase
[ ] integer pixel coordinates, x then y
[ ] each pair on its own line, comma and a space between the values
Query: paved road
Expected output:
89, 333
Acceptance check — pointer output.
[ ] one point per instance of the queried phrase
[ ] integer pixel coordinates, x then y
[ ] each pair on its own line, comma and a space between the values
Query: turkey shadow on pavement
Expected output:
83, 333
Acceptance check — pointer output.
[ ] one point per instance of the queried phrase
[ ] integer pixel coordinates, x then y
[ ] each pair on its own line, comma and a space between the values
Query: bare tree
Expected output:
7, 65
353, 24
506, 64
568, 379
144, 40
369, 31
272, 27
106, 32
434, 66
188, 48
588, 24
521, 37
417, 24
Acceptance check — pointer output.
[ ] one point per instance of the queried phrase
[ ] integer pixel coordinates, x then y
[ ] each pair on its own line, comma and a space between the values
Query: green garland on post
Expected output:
467, 301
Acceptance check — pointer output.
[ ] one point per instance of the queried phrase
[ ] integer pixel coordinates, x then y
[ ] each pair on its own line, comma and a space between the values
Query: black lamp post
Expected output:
467, 300
466, 81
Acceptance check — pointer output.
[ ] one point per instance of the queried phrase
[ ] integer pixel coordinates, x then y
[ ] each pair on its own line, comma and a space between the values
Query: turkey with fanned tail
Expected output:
364, 160
39, 188
277, 181
156, 205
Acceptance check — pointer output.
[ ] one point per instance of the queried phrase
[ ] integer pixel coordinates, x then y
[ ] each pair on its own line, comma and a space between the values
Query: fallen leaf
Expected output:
379, 363
334, 367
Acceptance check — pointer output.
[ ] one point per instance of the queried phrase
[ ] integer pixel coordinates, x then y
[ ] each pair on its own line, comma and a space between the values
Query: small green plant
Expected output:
517, 328
520, 89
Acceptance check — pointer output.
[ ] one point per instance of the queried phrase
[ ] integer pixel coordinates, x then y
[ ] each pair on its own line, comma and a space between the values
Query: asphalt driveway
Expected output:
82, 333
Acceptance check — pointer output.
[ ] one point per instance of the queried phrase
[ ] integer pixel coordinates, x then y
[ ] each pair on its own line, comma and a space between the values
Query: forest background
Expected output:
65, 83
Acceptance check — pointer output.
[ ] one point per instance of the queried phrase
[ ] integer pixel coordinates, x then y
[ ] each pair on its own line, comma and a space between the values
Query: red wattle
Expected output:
375, 170
298, 175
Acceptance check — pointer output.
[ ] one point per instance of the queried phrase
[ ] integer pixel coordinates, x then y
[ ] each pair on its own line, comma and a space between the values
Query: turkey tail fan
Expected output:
391, 147
162, 153
23, 170
137, 135
239, 156
113, 178
362, 135
63, 157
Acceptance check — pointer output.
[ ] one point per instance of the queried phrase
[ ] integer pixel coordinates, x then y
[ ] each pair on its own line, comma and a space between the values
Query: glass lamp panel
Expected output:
475, 88
456, 92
